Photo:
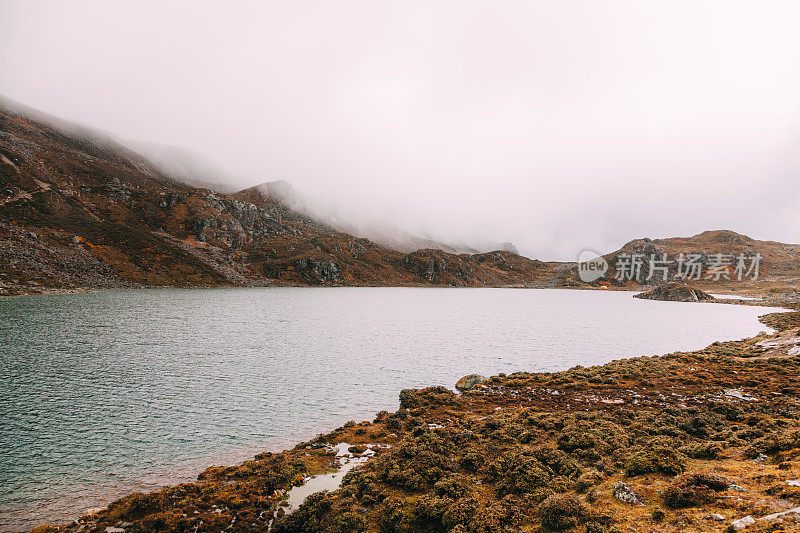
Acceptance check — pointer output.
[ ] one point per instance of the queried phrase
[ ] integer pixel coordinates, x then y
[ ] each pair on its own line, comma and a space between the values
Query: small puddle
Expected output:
734, 297
332, 481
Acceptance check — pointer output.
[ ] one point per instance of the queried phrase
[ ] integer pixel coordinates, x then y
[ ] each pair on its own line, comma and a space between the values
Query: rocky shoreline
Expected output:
699, 441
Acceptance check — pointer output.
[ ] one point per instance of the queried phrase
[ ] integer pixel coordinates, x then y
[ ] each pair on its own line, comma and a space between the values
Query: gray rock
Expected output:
742, 523
468, 382
623, 493
739, 395
773, 516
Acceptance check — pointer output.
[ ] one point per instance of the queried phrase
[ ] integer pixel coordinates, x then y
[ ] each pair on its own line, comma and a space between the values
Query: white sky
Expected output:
557, 125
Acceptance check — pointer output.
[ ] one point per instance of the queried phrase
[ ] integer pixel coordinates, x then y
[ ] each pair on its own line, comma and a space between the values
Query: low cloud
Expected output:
557, 126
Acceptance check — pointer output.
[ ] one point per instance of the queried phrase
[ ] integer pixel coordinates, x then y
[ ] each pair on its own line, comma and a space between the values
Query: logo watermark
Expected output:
591, 266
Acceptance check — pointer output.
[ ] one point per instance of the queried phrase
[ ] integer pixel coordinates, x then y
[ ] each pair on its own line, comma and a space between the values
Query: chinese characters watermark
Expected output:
692, 266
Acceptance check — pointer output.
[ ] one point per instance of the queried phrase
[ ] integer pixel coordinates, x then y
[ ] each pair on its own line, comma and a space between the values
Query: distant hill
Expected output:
80, 210
778, 268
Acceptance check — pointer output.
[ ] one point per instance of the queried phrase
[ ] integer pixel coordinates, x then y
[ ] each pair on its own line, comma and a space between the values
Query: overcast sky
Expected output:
557, 125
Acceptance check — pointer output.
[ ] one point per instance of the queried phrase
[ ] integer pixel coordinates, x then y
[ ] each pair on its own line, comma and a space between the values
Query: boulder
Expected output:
738, 525
467, 382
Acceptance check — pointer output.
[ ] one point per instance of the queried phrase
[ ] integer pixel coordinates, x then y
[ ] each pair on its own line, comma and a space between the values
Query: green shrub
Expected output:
576, 441
473, 461
562, 511
135, 506
588, 479
519, 474
694, 489
655, 460
702, 450
773, 443
452, 486
431, 396
559, 462
429, 511
462, 512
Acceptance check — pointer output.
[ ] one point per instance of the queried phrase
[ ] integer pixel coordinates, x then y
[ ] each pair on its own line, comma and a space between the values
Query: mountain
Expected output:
80, 210
778, 266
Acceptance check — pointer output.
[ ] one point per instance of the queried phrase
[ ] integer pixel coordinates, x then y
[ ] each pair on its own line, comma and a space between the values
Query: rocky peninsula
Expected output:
675, 292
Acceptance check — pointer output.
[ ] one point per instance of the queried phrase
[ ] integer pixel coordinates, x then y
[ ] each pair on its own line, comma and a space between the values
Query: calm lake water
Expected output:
109, 392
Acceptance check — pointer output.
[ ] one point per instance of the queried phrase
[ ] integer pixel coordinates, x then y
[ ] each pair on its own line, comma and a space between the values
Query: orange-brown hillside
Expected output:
78, 210
779, 267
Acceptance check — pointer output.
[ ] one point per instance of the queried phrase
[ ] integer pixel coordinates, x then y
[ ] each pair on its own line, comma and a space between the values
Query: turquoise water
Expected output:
109, 392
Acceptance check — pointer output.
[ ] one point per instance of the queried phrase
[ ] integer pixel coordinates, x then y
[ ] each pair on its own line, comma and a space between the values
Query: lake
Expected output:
105, 393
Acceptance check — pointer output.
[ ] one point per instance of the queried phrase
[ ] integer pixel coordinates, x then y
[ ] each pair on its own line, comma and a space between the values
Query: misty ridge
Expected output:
186, 166
196, 170
80, 211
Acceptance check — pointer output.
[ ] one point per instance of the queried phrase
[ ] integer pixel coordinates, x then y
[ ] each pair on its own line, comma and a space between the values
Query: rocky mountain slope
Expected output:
79, 210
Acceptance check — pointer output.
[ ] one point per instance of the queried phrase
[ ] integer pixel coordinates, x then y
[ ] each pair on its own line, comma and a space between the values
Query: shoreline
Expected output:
738, 299
320, 462
146, 480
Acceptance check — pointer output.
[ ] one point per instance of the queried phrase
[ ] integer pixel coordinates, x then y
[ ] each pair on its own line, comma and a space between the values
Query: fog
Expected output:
554, 125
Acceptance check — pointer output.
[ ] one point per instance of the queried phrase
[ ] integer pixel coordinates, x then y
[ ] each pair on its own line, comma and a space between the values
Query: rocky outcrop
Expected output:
625, 494
427, 265
675, 292
318, 270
